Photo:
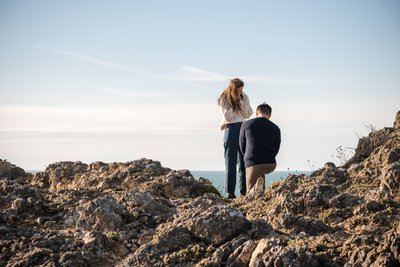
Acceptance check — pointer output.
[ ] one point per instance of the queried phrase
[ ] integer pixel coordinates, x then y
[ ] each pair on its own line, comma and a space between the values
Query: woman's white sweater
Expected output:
228, 116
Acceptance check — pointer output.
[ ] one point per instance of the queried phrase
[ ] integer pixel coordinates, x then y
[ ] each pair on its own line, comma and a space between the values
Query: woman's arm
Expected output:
247, 111
227, 113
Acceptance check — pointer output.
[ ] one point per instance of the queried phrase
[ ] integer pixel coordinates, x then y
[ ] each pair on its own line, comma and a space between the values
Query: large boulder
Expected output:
217, 225
102, 214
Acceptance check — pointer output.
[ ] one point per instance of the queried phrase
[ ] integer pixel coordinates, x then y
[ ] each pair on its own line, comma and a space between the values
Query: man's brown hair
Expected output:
264, 108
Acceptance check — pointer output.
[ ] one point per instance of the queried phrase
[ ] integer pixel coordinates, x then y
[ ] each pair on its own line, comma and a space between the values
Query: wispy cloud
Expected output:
190, 73
273, 80
90, 59
185, 73
196, 74
143, 93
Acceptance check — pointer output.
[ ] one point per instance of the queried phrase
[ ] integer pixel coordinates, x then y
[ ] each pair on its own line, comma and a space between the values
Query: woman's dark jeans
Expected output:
233, 157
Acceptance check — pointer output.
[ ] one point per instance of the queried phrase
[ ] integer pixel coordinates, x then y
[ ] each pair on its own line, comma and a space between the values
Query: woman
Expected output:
235, 107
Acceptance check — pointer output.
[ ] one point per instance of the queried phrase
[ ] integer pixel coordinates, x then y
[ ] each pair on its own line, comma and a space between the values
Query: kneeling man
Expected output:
260, 140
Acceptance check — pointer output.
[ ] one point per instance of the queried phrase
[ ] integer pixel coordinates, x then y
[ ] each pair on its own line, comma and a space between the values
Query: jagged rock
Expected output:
99, 247
11, 171
260, 229
139, 213
366, 145
390, 181
103, 214
332, 175
140, 175
159, 208
320, 195
394, 155
181, 184
263, 247
217, 225
242, 255
296, 224
391, 243
206, 201
385, 253
344, 200
290, 184
5, 169
35, 257
19, 201
163, 242
396, 123
20, 205
220, 256
288, 256
41, 180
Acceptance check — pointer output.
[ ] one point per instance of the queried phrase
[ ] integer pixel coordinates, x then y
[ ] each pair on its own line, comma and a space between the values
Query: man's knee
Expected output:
270, 168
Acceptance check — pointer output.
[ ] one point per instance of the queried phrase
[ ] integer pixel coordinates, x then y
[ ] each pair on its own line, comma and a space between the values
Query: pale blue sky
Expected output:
122, 80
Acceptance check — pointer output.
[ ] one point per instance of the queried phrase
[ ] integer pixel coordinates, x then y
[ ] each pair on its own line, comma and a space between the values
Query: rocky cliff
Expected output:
140, 213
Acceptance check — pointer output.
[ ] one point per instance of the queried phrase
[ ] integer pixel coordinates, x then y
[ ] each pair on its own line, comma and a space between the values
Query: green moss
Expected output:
318, 247
113, 235
191, 254
274, 184
292, 243
244, 208
149, 172
325, 214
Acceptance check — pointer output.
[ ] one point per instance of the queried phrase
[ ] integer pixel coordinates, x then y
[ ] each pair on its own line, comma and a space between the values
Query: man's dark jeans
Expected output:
233, 157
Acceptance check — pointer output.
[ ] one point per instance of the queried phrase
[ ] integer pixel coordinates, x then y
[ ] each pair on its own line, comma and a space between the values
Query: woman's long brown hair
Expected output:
230, 97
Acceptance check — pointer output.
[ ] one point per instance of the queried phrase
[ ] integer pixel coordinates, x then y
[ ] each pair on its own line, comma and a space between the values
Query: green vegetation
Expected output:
244, 208
325, 214
190, 254
274, 184
343, 155
113, 235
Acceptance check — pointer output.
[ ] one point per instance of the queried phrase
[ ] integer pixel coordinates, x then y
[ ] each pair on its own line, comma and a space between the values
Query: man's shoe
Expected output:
259, 187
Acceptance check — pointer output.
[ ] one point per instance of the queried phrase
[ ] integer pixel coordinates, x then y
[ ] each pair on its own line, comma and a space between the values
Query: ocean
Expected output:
218, 178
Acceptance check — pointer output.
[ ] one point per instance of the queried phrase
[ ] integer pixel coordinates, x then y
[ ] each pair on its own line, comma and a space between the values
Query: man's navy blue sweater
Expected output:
260, 140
